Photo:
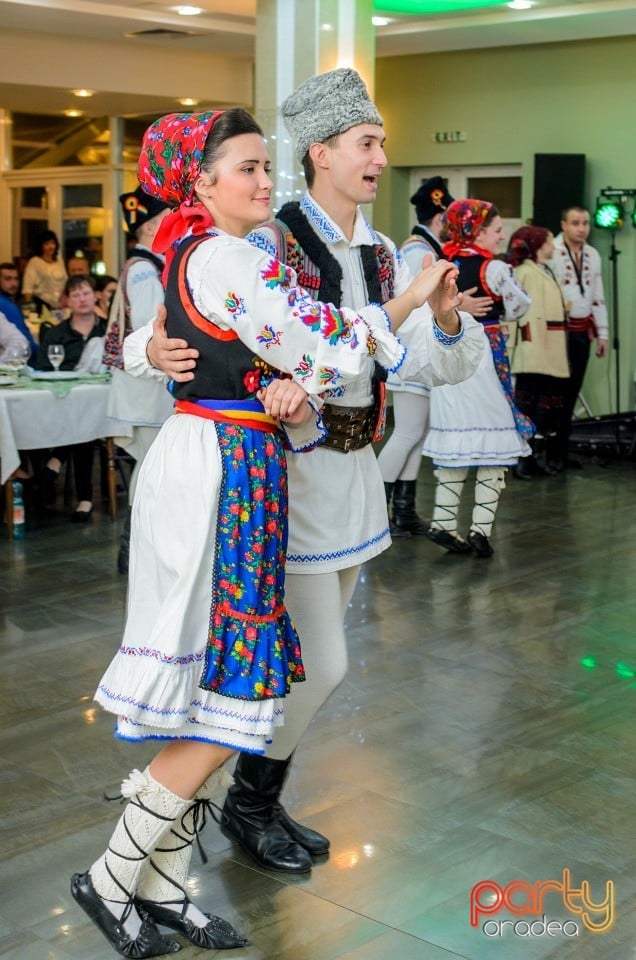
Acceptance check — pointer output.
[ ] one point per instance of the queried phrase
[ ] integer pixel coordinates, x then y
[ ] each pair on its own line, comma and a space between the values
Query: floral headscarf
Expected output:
524, 244
168, 168
464, 220
171, 152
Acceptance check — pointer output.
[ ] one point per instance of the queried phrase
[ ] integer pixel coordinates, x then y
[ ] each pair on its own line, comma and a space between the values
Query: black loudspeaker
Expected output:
559, 181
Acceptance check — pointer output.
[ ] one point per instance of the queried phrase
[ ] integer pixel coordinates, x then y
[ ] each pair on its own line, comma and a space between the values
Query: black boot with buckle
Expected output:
405, 516
253, 816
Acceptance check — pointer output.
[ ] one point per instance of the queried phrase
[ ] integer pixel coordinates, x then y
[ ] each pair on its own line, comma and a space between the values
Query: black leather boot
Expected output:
253, 816
395, 532
540, 449
405, 516
124, 544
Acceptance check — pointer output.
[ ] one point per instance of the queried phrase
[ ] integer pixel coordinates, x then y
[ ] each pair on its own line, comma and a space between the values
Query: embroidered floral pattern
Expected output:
253, 651
269, 336
305, 368
234, 304
276, 274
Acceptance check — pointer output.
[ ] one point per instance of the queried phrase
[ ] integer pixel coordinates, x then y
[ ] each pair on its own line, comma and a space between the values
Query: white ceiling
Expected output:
229, 26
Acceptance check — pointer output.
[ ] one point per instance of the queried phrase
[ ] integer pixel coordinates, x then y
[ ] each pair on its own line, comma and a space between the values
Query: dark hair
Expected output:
490, 216
573, 206
77, 281
231, 123
43, 238
308, 163
101, 282
8, 266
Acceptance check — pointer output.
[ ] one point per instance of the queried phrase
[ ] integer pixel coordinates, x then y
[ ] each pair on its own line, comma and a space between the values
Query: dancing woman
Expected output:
476, 423
209, 652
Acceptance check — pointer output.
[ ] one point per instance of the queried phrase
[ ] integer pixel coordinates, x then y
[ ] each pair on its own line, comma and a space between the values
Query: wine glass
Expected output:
55, 353
16, 357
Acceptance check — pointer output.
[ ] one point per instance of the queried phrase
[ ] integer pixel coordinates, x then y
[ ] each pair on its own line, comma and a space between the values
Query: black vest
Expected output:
330, 271
224, 360
432, 241
472, 272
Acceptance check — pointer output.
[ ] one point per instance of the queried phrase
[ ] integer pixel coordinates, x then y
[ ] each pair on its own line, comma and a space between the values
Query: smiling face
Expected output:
492, 236
237, 191
351, 167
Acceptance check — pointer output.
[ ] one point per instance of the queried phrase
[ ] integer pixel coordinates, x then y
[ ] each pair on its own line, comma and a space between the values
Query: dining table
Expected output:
41, 410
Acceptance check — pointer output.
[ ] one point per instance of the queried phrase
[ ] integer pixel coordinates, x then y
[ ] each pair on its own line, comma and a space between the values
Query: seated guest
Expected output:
73, 334
9, 286
105, 287
45, 273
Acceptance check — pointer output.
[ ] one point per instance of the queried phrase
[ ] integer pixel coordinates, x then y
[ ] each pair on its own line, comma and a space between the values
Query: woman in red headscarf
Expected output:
540, 354
209, 652
476, 423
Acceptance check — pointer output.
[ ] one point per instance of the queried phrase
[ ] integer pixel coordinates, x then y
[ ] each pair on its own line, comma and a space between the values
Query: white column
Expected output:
296, 39
6, 218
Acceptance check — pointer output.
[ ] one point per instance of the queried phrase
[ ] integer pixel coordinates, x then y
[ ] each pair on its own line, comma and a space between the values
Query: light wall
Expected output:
514, 102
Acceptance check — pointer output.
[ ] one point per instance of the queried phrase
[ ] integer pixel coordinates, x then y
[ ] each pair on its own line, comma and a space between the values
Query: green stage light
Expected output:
422, 8
609, 214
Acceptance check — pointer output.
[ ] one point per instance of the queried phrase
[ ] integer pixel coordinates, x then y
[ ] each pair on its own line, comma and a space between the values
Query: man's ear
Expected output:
319, 153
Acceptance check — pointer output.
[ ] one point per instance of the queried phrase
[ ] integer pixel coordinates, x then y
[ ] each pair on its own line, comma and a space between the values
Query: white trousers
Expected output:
317, 604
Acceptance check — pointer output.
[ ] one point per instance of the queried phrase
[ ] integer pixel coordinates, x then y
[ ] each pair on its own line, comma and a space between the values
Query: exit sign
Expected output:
449, 136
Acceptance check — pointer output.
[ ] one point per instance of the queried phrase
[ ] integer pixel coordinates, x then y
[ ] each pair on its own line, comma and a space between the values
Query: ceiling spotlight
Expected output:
73, 113
188, 11
189, 102
83, 93
520, 4
380, 21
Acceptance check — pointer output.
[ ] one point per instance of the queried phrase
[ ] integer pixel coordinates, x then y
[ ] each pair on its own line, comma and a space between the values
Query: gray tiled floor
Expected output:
468, 741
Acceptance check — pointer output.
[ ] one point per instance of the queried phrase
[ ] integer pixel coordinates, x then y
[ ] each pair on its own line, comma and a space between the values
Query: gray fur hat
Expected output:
327, 104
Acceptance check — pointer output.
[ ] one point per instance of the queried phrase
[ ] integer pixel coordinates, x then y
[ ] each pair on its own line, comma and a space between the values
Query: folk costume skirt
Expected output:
208, 651
475, 423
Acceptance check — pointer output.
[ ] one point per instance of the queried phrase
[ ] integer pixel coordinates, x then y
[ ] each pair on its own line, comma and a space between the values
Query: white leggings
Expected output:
317, 604
488, 486
402, 453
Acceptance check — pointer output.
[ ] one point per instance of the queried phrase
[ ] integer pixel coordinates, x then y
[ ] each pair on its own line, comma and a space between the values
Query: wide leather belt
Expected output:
348, 428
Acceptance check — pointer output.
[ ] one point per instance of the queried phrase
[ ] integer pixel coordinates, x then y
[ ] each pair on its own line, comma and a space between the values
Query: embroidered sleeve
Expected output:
306, 436
599, 310
502, 283
240, 287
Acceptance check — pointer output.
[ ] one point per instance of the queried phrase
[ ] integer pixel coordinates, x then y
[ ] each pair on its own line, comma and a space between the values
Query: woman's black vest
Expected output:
223, 360
472, 273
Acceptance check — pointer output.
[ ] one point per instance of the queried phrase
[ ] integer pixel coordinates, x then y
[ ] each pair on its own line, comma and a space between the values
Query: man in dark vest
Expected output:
338, 257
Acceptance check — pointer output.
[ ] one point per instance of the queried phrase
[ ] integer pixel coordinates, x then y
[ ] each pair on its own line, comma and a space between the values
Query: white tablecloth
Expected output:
37, 419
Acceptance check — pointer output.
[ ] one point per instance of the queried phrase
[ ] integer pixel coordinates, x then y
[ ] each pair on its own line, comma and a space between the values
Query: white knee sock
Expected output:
488, 487
148, 815
164, 875
448, 492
